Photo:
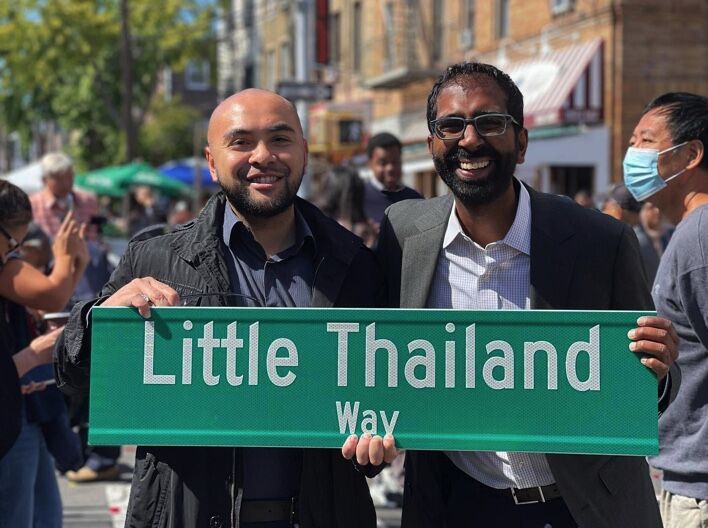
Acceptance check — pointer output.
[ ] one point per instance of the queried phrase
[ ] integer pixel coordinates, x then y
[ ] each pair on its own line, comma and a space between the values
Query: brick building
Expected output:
586, 68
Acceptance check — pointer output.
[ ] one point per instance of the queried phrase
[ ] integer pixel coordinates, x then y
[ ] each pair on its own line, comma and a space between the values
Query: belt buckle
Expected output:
292, 511
522, 502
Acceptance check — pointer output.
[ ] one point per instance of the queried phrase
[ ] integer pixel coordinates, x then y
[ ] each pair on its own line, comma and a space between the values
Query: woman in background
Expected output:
29, 495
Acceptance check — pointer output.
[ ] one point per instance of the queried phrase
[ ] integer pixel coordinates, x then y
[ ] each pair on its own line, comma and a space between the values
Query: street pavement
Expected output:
103, 504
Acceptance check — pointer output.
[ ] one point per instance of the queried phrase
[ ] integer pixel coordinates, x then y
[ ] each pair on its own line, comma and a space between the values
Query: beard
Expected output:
239, 195
477, 192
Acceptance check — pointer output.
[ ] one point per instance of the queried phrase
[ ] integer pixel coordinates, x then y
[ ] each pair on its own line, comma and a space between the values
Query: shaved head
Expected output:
249, 98
257, 152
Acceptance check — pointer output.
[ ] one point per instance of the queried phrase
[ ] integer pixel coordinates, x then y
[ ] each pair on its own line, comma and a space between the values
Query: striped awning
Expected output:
561, 87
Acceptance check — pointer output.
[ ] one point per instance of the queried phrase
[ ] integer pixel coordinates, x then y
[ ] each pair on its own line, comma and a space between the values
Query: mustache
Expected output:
461, 154
243, 172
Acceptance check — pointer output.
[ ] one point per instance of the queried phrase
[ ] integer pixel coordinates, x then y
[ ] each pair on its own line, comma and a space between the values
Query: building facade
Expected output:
586, 69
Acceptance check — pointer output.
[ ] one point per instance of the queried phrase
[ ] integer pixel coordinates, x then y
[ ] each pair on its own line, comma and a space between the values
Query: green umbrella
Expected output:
116, 181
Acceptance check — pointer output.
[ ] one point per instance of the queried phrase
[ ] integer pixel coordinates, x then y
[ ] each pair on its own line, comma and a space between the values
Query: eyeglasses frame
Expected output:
14, 244
472, 121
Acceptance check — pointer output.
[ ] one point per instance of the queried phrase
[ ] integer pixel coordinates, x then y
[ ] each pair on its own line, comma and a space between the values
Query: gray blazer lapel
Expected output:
420, 255
553, 255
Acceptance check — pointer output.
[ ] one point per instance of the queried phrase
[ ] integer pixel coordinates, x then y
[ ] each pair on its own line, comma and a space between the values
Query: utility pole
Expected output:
304, 47
126, 61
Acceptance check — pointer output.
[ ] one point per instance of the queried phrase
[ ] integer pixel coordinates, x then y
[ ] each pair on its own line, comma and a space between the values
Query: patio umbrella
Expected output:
116, 181
27, 178
183, 170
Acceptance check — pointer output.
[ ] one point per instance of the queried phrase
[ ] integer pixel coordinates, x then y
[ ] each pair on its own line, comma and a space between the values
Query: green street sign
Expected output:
525, 380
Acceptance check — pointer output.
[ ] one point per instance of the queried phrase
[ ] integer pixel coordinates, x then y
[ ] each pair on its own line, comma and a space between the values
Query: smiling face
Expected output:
477, 169
257, 152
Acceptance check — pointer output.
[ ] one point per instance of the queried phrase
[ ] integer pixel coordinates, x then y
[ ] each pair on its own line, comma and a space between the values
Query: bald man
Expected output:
254, 244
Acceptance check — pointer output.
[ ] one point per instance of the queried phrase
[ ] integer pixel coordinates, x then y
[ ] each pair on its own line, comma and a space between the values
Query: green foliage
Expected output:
169, 132
60, 61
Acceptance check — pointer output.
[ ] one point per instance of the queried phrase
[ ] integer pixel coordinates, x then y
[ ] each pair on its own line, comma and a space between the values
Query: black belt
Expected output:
531, 495
258, 511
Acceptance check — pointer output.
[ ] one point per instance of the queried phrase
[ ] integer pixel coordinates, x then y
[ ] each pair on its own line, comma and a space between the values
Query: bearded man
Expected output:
254, 244
495, 243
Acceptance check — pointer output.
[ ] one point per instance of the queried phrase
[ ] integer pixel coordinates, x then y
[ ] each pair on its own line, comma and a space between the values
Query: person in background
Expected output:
620, 204
583, 198
58, 196
29, 495
655, 227
342, 198
385, 187
145, 210
667, 163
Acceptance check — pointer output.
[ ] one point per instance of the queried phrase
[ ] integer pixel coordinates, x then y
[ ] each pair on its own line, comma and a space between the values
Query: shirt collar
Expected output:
302, 229
519, 234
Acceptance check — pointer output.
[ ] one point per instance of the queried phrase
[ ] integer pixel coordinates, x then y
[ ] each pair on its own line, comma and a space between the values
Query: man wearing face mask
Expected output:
668, 164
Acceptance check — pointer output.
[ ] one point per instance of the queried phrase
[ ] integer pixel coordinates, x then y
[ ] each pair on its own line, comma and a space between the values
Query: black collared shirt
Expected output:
283, 280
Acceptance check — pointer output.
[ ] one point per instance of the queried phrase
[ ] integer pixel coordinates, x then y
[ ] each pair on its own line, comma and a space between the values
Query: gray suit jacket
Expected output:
580, 259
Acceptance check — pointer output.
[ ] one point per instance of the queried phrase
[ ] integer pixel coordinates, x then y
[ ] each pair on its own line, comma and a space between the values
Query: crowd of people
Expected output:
492, 243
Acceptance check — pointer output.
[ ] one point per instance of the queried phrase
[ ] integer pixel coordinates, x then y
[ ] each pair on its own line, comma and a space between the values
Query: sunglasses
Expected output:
14, 244
485, 125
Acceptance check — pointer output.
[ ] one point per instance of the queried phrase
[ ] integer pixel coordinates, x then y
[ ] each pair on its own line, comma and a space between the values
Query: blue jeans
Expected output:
29, 494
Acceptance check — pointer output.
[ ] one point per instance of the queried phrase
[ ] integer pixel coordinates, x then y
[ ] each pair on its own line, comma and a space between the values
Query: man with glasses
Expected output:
494, 243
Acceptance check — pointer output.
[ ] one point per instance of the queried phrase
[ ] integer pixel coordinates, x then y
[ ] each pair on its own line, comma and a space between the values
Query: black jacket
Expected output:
194, 487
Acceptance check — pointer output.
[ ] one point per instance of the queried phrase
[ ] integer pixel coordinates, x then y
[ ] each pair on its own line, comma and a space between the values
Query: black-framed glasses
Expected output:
485, 125
14, 244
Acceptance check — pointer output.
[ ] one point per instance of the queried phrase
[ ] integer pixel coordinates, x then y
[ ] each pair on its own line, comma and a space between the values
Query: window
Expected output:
334, 36
196, 75
438, 32
502, 18
356, 37
466, 38
270, 70
285, 61
561, 6
389, 36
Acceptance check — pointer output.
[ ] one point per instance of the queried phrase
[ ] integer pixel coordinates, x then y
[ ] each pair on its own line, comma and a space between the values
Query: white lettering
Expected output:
372, 345
342, 330
530, 350
347, 417
427, 361
149, 376
273, 362
592, 347
506, 363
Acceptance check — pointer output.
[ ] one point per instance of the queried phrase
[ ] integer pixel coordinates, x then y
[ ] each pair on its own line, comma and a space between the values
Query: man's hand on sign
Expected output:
657, 339
370, 449
143, 293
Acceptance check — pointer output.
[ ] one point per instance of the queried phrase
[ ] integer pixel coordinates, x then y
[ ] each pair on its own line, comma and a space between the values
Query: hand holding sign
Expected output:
142, 293
370, 449
657, 339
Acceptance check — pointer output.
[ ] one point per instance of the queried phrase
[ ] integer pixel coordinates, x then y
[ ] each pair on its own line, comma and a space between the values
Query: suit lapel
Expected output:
420, 254
553, 255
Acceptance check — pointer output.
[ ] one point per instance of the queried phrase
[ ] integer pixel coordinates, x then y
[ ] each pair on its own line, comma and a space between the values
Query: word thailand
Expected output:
503, 363
418, 368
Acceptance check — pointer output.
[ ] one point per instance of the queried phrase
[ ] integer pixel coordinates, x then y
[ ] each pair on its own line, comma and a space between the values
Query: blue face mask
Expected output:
641, 172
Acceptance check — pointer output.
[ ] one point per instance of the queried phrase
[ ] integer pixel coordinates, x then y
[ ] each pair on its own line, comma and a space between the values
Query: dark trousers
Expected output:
471, 503
440, 495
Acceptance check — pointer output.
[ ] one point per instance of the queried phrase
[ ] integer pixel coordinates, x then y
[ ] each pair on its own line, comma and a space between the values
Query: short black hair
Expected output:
15, 207
382, 140
514, 98
686, 116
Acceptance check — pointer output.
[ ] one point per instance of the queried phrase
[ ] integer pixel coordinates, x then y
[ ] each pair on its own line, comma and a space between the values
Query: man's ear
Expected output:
696, 152
211, 164
522, 140
430, 144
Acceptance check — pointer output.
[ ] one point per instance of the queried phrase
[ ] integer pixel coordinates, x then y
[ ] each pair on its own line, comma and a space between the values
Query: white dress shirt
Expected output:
497, 276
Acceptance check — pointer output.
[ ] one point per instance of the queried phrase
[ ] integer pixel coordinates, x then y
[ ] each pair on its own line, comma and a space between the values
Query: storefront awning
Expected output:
563, 86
